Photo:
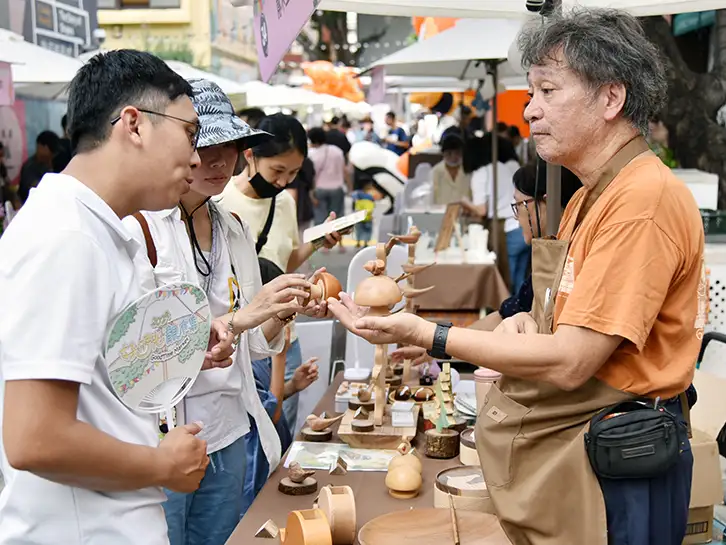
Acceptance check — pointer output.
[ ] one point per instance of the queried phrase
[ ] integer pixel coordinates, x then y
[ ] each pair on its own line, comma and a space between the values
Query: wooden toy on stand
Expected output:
380, 293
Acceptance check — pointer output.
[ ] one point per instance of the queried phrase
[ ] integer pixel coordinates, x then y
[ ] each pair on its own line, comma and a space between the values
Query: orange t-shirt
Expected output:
635, 269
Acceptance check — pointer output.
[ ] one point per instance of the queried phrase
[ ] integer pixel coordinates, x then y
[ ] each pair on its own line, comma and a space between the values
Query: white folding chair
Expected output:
358, 352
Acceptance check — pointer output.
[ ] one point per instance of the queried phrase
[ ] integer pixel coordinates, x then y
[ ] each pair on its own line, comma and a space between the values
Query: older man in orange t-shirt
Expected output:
619, 307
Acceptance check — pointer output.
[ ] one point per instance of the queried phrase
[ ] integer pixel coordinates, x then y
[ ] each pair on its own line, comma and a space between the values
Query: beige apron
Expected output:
530, 435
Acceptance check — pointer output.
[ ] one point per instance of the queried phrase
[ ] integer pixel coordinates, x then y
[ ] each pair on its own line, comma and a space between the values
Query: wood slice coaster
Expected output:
354, 405
362, 425
442, 445
395, 381
432, 527
308, 486
316, 436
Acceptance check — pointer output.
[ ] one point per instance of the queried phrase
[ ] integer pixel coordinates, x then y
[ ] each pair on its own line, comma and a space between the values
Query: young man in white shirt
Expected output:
80, 467
197, 241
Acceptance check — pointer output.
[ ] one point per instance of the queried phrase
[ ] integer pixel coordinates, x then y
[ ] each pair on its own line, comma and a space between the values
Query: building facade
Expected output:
209, 34
64, 26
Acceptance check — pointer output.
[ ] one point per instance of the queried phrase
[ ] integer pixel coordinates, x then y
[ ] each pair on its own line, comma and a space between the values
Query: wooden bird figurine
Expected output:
375, 267
364, 395
297, 474
318, 423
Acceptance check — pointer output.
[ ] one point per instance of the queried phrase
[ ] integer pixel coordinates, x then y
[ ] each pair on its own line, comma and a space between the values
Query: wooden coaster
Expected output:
362, 425
354, 405
316, 436
395, 381
308, 486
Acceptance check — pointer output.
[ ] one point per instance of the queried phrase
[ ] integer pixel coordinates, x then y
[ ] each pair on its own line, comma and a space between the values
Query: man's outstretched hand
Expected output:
398, 328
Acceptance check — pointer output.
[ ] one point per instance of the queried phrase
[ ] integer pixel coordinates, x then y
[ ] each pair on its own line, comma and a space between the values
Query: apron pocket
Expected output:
499, 423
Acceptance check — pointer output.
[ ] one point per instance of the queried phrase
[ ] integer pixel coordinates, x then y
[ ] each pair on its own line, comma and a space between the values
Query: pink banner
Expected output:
277, 24
7, 93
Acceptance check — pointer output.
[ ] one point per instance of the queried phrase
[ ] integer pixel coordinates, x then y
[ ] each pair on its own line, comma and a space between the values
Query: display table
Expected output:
371, 495
461, 287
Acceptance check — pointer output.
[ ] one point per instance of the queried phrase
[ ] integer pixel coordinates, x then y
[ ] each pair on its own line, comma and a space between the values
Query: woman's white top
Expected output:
482, 191
220, 398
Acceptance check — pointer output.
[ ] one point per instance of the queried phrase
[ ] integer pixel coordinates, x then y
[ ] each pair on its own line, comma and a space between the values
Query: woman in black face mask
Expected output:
258, 196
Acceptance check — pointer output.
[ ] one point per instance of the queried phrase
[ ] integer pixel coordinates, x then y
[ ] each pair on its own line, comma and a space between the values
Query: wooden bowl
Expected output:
432, 527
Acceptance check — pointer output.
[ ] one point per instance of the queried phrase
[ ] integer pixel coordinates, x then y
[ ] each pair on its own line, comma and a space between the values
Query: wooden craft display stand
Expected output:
384, 435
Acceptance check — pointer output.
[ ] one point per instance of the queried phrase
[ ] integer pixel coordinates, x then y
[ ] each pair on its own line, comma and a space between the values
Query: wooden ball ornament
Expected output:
407, 460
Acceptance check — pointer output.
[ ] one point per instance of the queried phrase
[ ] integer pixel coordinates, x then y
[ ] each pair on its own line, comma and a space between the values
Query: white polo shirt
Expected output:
66, 270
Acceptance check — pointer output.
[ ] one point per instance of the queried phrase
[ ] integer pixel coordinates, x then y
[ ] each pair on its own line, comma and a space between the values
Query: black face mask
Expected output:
263, 188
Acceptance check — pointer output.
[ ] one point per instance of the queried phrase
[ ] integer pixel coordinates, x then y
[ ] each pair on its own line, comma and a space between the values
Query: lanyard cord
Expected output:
196, 248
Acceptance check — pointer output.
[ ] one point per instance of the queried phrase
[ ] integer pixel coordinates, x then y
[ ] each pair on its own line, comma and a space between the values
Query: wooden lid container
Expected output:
338, 504
468, 455
466, 485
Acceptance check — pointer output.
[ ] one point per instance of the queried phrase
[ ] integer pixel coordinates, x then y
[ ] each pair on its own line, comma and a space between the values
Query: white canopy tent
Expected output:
261, 95
498, 9
458, 52
37, 72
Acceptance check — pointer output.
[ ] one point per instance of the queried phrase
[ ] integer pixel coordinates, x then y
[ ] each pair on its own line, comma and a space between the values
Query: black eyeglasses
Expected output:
516, 204
193, 138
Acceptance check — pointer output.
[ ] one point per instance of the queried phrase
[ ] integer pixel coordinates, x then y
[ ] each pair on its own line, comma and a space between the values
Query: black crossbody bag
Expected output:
634, 440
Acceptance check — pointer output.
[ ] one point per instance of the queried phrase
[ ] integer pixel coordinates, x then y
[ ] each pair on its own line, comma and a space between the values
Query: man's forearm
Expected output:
77, 454
534, 357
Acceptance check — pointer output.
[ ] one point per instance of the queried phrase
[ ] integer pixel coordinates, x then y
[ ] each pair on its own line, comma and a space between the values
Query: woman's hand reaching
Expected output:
281, 297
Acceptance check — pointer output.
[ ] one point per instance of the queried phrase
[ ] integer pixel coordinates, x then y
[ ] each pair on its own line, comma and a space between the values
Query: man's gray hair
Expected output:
603, 46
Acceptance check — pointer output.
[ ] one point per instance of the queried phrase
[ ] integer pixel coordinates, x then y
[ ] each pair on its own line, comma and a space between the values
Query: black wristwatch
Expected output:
438, 349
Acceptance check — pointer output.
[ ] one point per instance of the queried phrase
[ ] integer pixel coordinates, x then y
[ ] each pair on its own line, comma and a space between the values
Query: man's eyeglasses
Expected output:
193, 137
516, 204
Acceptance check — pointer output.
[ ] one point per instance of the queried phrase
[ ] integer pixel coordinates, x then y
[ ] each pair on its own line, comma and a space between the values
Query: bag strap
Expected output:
150, 246
686, 409
262, 239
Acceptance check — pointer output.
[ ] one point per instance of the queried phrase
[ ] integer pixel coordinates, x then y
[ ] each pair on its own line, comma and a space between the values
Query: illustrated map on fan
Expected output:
160, 339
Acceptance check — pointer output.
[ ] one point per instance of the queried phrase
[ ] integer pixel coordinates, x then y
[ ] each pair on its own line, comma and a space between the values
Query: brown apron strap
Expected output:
627, 153
150, 247
686, 410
